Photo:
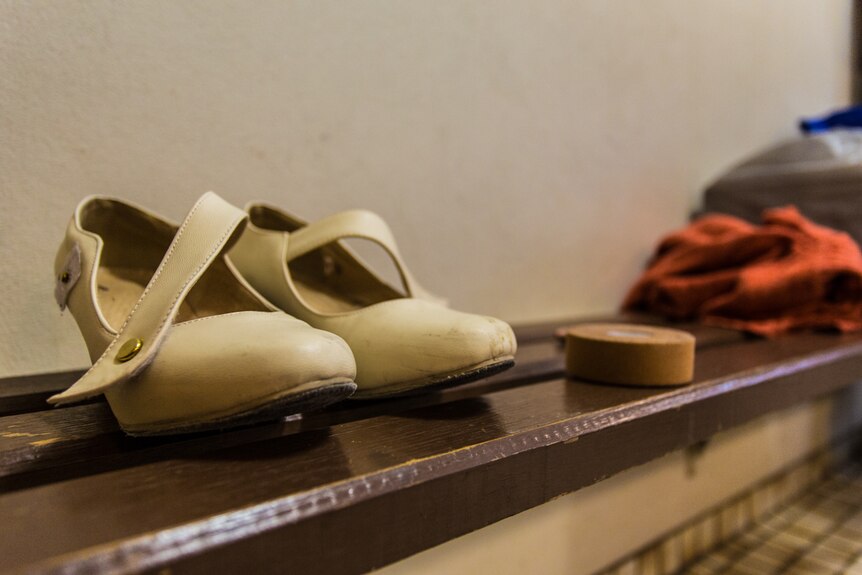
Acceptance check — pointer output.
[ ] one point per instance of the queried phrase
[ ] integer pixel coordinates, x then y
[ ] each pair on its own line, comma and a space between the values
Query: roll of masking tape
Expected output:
630, 354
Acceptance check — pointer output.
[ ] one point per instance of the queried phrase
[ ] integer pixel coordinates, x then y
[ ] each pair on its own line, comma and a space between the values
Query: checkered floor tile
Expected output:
820, 533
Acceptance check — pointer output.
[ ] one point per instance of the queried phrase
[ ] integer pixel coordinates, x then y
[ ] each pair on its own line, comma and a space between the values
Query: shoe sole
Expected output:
438, 382
290, 404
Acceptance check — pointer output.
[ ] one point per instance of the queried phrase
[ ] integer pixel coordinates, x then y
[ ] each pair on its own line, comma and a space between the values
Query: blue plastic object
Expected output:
847, 118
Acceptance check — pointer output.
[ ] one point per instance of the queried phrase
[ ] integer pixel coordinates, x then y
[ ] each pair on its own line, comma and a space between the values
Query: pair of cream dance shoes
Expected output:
187, 330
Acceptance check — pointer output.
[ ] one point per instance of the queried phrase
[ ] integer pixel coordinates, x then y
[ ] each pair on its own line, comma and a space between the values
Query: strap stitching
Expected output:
203, 264
153, 282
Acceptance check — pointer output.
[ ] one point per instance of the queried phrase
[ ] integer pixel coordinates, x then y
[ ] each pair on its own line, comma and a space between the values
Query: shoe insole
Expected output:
134, 244
120, 288
216, 292
332, 280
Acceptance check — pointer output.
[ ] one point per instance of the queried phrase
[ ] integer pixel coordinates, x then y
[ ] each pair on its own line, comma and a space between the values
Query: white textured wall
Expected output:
527, 154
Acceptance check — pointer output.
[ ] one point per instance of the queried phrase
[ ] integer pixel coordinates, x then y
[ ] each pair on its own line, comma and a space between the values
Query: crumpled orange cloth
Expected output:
787, 274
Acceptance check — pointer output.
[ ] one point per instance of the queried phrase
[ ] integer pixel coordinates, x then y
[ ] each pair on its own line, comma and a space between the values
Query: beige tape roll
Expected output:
630, 354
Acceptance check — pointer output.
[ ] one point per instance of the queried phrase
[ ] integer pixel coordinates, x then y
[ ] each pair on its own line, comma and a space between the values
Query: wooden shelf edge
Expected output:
534, 466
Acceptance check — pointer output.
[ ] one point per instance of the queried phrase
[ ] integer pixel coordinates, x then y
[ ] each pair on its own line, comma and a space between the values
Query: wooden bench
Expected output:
363, 484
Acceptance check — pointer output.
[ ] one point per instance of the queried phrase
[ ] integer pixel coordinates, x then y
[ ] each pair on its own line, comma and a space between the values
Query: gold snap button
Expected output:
129, 349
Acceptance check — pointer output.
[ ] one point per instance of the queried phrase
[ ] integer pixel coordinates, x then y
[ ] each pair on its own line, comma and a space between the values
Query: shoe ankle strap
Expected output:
360, 224
206, 231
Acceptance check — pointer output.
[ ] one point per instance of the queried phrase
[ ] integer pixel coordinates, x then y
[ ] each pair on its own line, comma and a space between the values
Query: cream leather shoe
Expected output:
402, 342
179, 341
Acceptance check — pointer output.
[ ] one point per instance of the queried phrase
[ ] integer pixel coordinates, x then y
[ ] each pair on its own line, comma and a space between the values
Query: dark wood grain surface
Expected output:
28, 393
49, 445
363, 484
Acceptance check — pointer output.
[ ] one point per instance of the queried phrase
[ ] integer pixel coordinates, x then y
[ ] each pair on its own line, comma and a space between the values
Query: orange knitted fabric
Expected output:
788, 274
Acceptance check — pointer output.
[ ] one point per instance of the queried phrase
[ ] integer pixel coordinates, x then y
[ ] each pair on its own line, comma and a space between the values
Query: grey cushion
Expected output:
821, 175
